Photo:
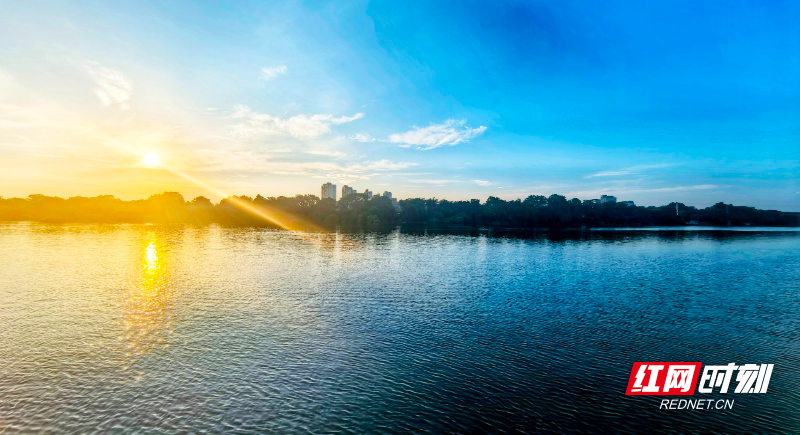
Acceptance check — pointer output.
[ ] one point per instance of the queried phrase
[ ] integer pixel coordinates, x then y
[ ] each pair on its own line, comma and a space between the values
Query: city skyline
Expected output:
690, 102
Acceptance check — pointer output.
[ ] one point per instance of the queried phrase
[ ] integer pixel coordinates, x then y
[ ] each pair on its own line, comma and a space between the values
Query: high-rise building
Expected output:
347, 190
608, 199
328, 191
368, 193
387, 194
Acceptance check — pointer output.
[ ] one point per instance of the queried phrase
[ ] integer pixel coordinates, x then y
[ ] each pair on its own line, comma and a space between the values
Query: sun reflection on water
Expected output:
151, 256
147, 319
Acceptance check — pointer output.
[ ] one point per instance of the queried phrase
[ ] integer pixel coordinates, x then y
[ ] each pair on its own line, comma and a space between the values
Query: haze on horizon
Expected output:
696, 102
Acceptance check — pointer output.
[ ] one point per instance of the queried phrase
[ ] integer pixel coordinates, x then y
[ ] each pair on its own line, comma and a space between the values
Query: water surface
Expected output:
179, 328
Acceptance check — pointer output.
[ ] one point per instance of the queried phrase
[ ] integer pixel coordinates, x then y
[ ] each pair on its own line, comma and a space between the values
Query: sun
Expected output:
151, 160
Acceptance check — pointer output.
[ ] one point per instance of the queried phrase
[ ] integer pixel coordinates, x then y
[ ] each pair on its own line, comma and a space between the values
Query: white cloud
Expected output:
482, 182
609, 174
336, 171
6, 82
627, 171
675, 189
243, 160
385, 165
450, 133
111, 86
269, 73
253, 124
329, 153
623, 191
343, 177
440, 182
411, 174
362, 137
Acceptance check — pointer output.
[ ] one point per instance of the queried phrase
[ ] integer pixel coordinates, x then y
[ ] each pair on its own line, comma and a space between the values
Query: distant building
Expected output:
628, 203
605, 199
347, 190
328, 191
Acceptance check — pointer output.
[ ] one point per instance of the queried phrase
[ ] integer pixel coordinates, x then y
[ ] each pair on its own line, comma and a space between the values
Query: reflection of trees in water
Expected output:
663, 234
146, 308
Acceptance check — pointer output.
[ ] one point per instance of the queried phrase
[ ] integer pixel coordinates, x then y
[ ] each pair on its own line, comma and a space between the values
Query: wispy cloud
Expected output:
450, 133
628, 171
482, 182
674, 188
269, 73
362, 137
434, 181
623, 191
328, 153
608, 174
111, 86
249, 161
411, 174
337, 171
253, 124
6, 82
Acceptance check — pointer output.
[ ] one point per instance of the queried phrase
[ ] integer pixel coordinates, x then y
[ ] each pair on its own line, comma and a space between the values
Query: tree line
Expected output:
306, 212
359, 212
555, 211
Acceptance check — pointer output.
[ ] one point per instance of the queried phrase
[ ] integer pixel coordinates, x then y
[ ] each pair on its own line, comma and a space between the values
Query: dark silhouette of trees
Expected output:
556, 211
358, 212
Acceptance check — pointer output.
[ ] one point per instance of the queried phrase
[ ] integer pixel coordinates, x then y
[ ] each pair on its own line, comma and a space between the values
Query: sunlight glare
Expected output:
151, 256
151, 160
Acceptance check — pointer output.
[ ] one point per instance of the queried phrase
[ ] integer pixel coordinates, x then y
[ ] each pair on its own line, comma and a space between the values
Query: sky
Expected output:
695, 101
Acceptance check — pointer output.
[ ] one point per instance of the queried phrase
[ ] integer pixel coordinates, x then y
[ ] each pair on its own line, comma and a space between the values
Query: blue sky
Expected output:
654, 102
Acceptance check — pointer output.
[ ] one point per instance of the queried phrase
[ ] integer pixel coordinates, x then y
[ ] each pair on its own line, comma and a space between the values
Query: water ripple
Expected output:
184, 329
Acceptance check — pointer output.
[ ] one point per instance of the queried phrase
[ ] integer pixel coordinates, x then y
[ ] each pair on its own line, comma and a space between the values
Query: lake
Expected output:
180, 328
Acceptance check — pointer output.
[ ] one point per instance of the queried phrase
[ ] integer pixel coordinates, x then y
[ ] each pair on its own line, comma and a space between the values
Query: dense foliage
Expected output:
357, 212
556, 211
299, 212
